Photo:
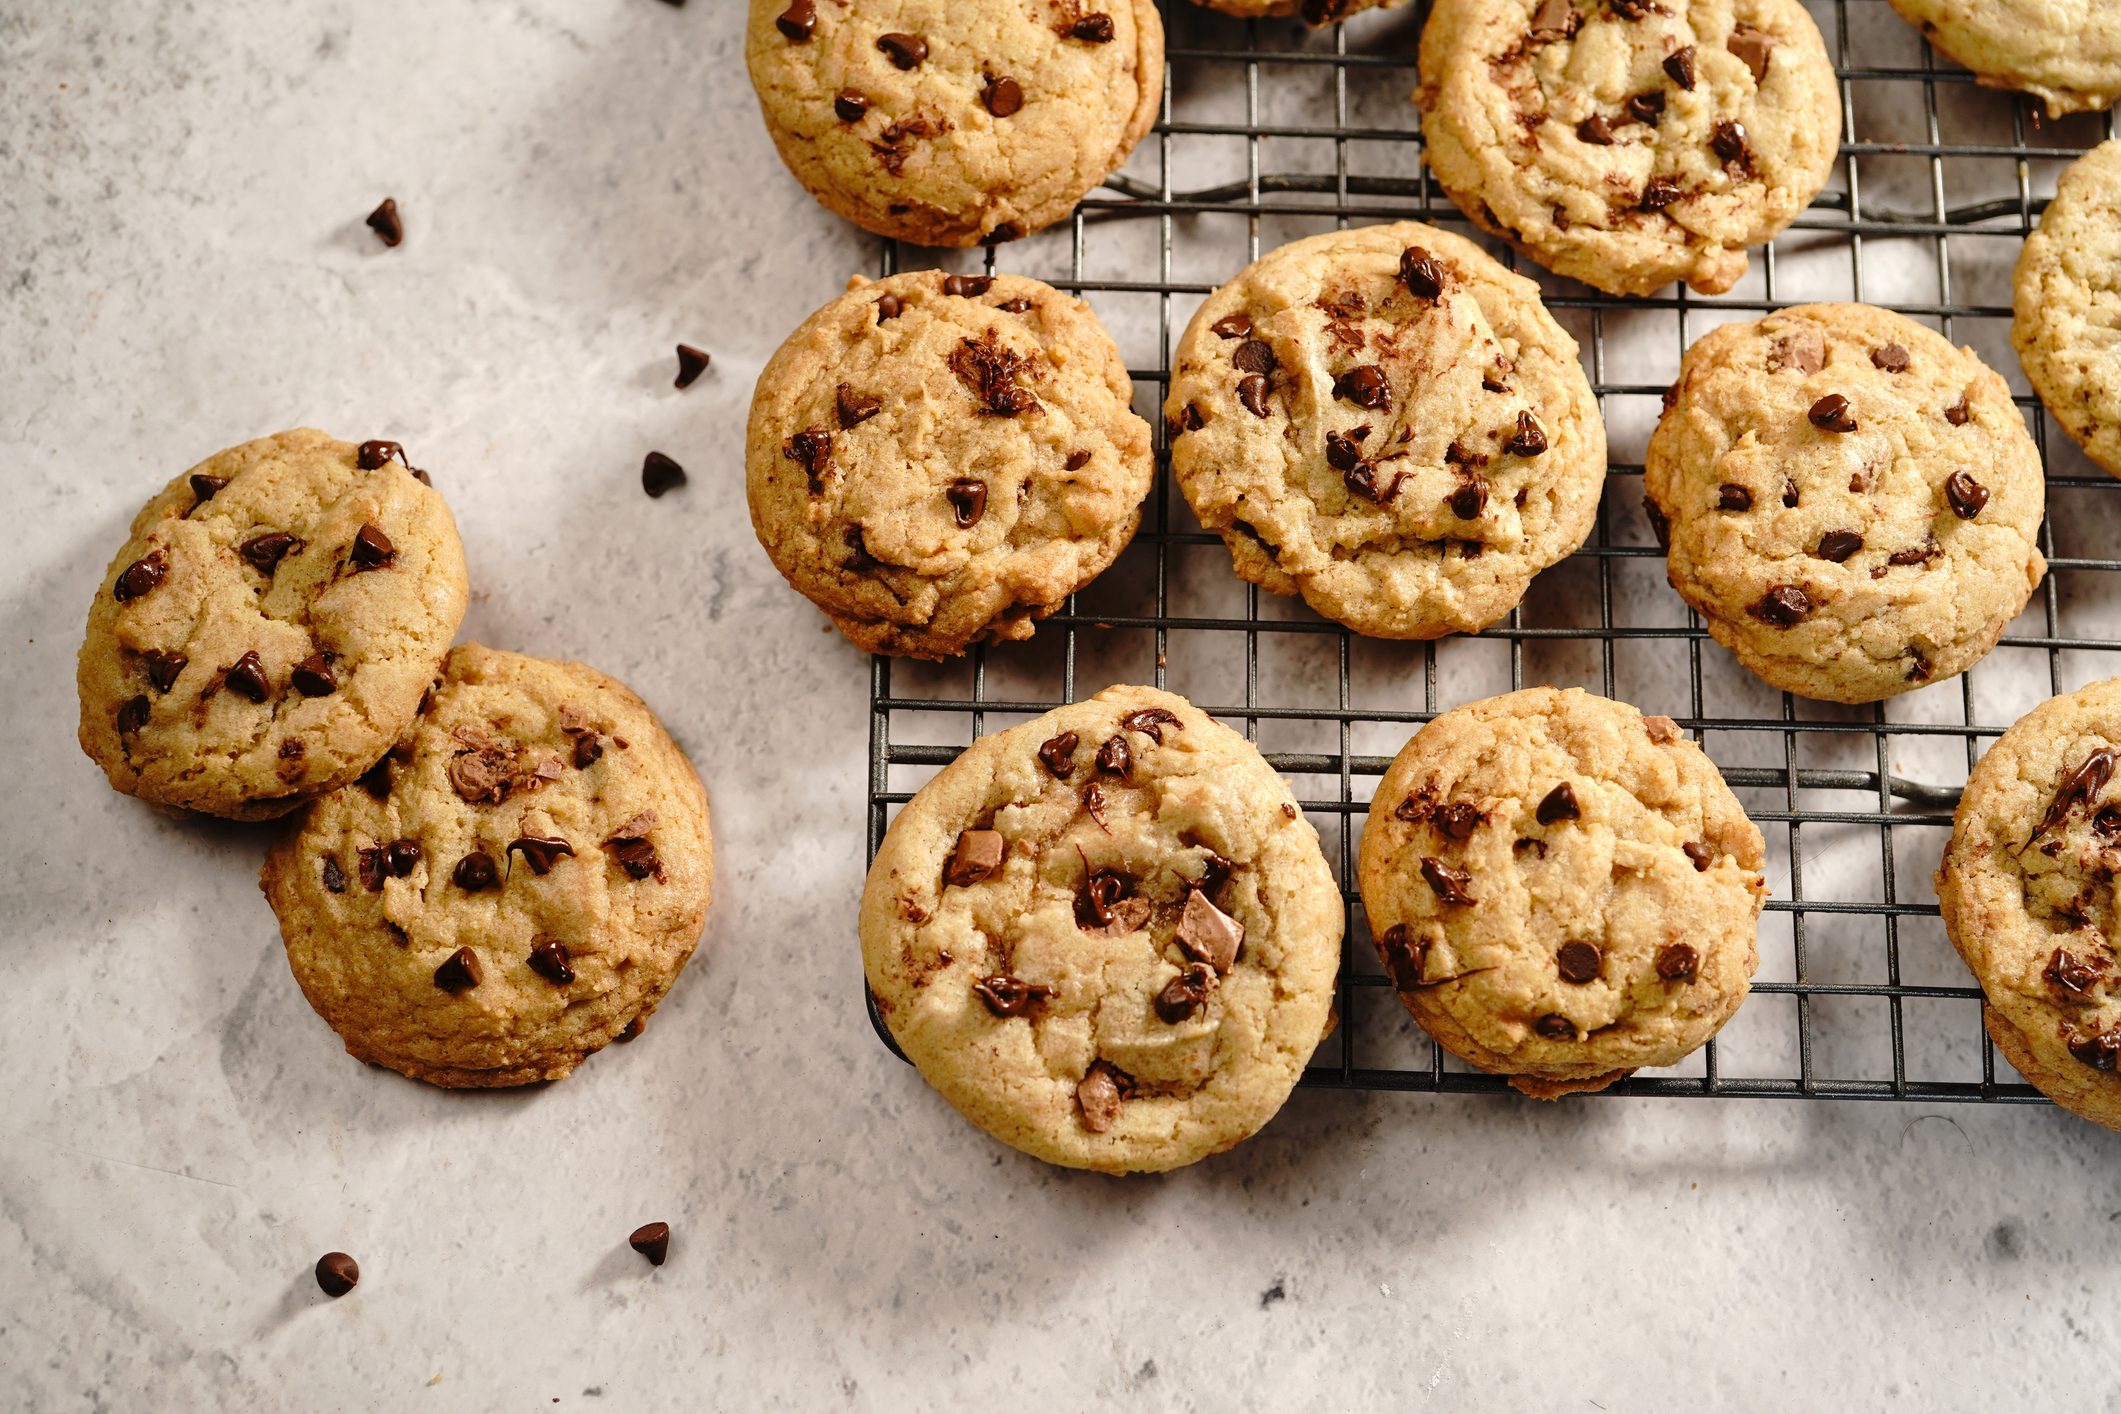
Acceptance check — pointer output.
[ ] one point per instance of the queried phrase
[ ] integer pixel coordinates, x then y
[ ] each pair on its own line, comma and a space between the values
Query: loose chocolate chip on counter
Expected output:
978, 856
1003, 97
371, 549
1008, 996
459, 972
2068, 973
386, 223
1832, 413
246, 677
1680, 65
1752, 48
798, 21
904, 50
651, 1240
475, 872
967, 286
550, 961
1893, 358
1365, 386
142, 576
1449, 884
1732, 497
1232, 326
266, 551
1838, 545
1700, 853
1093, 29
1208, 933
693, 362
1728, 140
337, 1274
1115, 757
1185, 994
1579, 962
1469, 500
203, 488
854, 408
1555, 1027
1057, 754
1596, 130
1252, 392
1099, 1094
1646, 108
1967, 495
1784, 606
1559, 805
1529, 440
540, 852
1151, 721
968, 501
314, 676
1254, 356
1960, 412
1678, 962
163, 668
132, 715
1420, 273
2099, 1050
1659, 192
850, 106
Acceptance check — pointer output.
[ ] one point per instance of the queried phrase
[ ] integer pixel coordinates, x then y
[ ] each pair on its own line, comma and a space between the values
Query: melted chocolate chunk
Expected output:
1421, 273
1727, 139
1458, 820
1732, 497
1559, 805
1678, 962
266, 551
372, 455
2079, 787
1838, 545
1102, 891
1555, 19
475, 872
371, 549
1185, 994
1529, 440
1448, 883
550, 961
386, 223
798, 22
1003, 97
1579, 962
1010, 996
1832, 413
811, 449
636, 857
978, 857
1468, 500
1252, 392
540, 852
1365, 386
2068, 973
906, 51
990, 372
1659, 192
849, 106
1092, 29
334, 876
1057, 754
1680, 65
1892, 358
1115, 757
2099, 1050
1967, 496
1921, 554
1784, 606
1343, 453
459, 972
967, 286
1555, 1027
1789, 493
889, 307
968, 501
1150, 722
1094, 803
1077, 460
142, 576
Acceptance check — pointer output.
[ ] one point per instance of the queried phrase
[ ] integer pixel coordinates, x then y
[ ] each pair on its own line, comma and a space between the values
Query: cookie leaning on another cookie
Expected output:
2068, 289
515, 886
1106, 936
2027, 889
936, 460
1562, 889
1850, 502
951, 124
269, 627
2068, 55
1628, 144
1389, 423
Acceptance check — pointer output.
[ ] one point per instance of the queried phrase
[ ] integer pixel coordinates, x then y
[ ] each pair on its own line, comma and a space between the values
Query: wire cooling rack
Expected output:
1270, 132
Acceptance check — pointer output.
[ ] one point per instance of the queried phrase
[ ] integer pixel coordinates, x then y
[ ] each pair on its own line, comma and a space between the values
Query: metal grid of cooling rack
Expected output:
1859, 995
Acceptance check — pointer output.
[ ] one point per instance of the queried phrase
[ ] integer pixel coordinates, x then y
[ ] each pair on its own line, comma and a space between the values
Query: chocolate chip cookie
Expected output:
950, 124
269, 626
1107, 936
2027, 885
1627, 143
2065, 52
936, 460
1562, 889
515, 885
1850, 502
2067, 327
1387, 422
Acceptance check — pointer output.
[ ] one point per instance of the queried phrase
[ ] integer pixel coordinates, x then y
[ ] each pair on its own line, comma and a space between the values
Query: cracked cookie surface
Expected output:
949, 124
516, 885
2067, 321
1851, 503
2064, 52
269, 626
1630, 143
2027, 886
936, 460
1387, 422
1562, 889
1106, 936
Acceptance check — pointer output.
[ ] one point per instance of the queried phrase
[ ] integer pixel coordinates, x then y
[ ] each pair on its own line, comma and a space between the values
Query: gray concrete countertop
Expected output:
585, 183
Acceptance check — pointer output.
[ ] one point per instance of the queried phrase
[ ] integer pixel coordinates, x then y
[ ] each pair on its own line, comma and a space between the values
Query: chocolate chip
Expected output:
376, 780
1208, 933
1115, 757
2079, 787
1959, 413
1077, 460
1579, 962
1529, 440
1449, 884
1752, 47
651, 1240
1458, 820
1596, 130
401, 857
1019, 305
540, 852
1365, 386
1192, 419
1254, 356
1732, 497
372, 455
1700, 853
203, 488
1151, 721
798, 21
1468, 500
1928, 550
550, 961
334, 876
1833, 414
1967, 495
636, 857
1802, 348
1838, 545
905, 50
1232, 326
459, 972
850, 106
811, 449
1727, 139
1093, 29
967, 286
1789, 493
1659, 193
588, 750
978, 856
1646, 108
266, 551
1185, 994
386, 223
1678, 962
1680, 65
1094, 803
1007, 996
1002, 97
1058, 754
2107, 823
1403, 958
246, 677
142, 576
1892, 358
337, 1274
1102, 890
1560, 804
2099, 1051
1342, 453
2067, 972
990, 373
163, 668
855, 408
1555, 1027
1420, 273
1098, 1096
1660, 523
1784, 605
1553, 20
1252, 392
889, 307
132, 715
314, 675
475, 872
371, 549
